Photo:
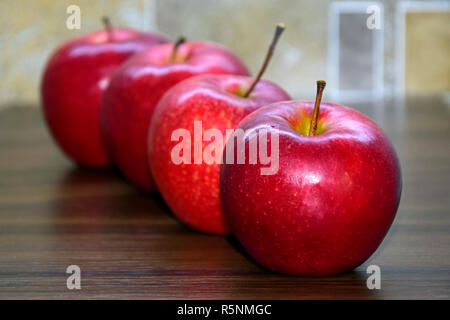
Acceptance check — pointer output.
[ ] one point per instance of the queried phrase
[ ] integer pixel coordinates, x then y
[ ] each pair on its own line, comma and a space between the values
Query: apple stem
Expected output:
108, 27
177, 44
313, 127
278, 31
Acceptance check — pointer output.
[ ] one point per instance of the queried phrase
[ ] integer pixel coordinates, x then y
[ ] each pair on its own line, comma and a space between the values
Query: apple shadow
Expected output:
101, 194
350, 284
234, 242
159, 201
155, 196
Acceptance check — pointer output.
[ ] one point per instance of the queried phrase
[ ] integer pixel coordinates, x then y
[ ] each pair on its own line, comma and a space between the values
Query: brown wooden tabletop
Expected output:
128, 245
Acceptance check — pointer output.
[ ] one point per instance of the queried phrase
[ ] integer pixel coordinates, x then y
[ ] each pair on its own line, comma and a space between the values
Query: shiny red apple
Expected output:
136, 88
73, 84
186, 114
331, 201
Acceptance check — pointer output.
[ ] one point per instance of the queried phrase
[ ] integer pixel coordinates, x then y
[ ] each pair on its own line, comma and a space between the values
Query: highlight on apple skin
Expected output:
333, 199
73, 84
136, 88
191, 190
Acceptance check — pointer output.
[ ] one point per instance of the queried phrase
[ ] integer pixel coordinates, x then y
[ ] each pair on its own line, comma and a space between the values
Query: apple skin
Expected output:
331, 202
73, 84
135, 90
192, 190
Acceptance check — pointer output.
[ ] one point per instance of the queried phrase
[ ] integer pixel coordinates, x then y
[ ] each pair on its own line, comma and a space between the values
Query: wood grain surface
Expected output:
128, 245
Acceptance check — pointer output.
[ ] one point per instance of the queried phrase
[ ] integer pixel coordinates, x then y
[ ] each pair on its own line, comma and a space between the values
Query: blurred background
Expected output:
366, 50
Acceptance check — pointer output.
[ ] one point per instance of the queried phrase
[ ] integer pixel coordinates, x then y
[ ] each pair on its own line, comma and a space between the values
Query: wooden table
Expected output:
128, 245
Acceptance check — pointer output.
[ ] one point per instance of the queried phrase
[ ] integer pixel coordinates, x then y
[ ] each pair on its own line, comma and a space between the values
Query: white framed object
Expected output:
376, 90
403, 8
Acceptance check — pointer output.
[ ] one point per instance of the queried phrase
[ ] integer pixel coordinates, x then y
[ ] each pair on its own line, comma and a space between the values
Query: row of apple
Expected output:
117, 96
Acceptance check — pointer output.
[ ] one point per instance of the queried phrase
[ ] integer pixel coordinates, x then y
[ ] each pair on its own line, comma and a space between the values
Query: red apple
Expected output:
73, 84
136, 88
191, 188
332, 200
217, 104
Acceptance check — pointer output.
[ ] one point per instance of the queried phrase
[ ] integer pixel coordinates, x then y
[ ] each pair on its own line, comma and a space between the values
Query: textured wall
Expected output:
247, 27
31, 29
427, 70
